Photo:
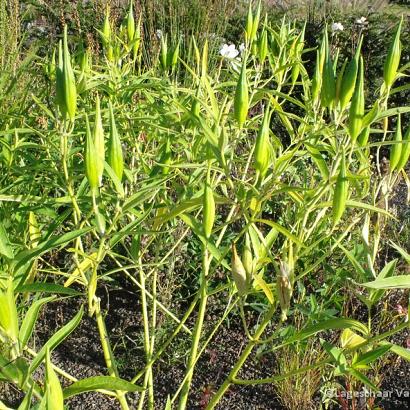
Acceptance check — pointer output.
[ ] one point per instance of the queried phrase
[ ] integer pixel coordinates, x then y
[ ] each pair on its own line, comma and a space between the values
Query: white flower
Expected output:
158, 33
361, 21
241, 47
337, 27
228, 51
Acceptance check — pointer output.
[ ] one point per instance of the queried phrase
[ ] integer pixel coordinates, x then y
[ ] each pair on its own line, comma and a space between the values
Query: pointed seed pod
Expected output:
393, 58
115, 157
249, 22
349, 78
395, 150
255, 22
241, 102
208, 209
339, 82
328, 83
131, 23
70, 92
262, 146
175, 55
99, 143
341, 192
263, 46
317, 79
164, 53
364, 137
356, 111
238, 272
91, 168
405, 151
60, 100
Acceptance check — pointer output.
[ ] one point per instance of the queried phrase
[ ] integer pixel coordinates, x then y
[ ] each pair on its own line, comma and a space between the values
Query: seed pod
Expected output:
324, 50
341, 192
131, 23
175, 55
70, 92
328, 83
356, 111
249, 22
60, 81
395, 150
349, 78
255, 22
204, 63
364, 137
393, 58
51, 69
241, 103
238, 272
405, 151
371, 115
106, 29
115, 157
137, 39
284, 288
91, 159
262, 146
164, 53
8, 312
99, 143
263, 46
247, 257
208, 209
339, 82
317, 80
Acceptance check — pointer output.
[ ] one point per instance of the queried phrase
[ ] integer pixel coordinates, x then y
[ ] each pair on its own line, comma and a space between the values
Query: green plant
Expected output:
194, 159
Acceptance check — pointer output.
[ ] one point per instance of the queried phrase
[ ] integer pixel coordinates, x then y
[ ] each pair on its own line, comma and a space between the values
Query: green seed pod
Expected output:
328, 83
91, 167
51, 69
99, 143
106, 29
371, 115
131, 23
393, 58
164, 53
341, 192
349, 78
115, 157
208, 209
255, 22
241, 103
249, 22
339, 82
60, 81
405, 151
317, 80
137, 39
395, 150
70, 92
247, 257
364, 137
175, 55
356, 112
263, 47
262, 146
324, 50
238, 272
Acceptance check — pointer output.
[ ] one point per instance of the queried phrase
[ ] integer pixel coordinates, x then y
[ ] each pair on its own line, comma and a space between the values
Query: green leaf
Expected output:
395, 282
402, 252
25, 404
370, 357
27, 326
360, 376
282, 230
56, 339
5, 247
264, 286
399, 350
27, 255
47, 287
388, 270
54, 392
100, 382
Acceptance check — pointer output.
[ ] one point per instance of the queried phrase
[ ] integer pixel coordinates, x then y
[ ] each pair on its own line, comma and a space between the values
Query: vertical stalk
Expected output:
197, 331
240, 362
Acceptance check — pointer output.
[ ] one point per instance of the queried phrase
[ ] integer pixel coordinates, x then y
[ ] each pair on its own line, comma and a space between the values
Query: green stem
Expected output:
240, 362
197, 332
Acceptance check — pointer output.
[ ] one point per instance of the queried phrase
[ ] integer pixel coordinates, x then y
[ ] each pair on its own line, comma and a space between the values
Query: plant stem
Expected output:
240, 362
197, 331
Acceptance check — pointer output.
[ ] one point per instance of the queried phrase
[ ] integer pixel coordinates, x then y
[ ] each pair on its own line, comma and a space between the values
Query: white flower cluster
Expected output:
337, 27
